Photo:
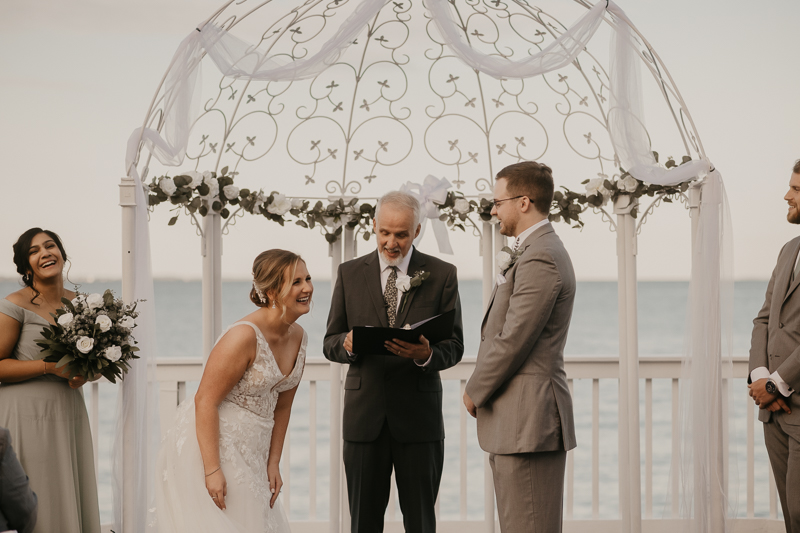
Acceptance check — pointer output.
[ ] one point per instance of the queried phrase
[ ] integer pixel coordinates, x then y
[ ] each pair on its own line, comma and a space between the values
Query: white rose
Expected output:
168, 186
197, 178
78, 300
126, 322
403, 282
113, 353
331, 222
231, 192
84, 344
503, 260
280, 205
65, 319
629, 183
297, 203
596, 187
213, 184
94, 301
104, 322
461, 206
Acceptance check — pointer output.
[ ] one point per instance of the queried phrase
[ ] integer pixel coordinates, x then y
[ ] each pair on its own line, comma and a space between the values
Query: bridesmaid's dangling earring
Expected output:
273, 304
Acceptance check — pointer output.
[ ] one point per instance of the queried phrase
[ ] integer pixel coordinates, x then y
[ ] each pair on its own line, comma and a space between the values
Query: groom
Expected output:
518, 391
393, 404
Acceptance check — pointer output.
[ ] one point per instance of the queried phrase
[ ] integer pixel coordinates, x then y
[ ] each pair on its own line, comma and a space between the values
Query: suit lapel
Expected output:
415, 264
372, 277
786, 274
527, 243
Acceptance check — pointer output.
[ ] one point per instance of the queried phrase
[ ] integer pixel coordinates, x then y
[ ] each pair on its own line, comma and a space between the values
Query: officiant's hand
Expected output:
348, 342
468, 403
421, 351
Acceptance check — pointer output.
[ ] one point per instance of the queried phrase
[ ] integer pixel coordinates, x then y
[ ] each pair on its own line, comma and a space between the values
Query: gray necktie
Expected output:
795, 272
390, 296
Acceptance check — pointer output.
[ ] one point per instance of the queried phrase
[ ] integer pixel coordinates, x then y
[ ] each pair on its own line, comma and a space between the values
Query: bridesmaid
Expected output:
43, 409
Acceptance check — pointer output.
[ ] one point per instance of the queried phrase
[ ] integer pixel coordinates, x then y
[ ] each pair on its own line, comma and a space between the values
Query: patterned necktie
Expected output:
390, 296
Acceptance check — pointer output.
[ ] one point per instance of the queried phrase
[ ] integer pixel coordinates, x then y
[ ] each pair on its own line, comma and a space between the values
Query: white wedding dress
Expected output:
246, 419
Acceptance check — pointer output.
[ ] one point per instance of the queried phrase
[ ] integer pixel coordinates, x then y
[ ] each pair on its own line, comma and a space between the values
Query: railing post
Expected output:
630, 504
127, 200
211, 249
335, 461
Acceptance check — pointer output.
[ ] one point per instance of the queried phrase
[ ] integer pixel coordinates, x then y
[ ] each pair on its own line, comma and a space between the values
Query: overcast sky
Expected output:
76, 77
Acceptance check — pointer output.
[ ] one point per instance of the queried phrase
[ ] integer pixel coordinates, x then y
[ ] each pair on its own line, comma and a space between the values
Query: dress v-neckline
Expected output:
272, 354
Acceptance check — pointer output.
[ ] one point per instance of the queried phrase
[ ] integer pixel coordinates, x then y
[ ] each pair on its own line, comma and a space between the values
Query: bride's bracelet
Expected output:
213, 471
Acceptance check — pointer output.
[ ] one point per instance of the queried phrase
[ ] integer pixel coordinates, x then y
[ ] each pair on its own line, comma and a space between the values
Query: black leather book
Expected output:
370, 341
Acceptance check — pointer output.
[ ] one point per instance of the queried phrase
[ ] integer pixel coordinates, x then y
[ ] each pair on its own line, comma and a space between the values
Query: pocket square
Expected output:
501, 279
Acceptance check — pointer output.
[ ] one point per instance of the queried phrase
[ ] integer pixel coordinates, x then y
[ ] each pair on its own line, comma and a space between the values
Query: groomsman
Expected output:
775, 366
393, 404
518, 391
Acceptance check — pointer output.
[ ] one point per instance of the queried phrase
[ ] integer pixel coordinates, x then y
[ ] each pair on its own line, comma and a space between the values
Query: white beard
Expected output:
392, 262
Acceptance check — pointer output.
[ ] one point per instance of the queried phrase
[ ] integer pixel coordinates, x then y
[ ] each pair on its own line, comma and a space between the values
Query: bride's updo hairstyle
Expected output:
21, 255
272, 272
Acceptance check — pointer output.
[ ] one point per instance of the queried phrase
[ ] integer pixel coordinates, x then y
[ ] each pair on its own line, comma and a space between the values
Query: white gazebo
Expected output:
331, 103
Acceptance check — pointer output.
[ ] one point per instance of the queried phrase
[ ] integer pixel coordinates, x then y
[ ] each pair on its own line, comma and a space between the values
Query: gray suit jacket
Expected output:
519, 384
776, 329
18, 504
382, 388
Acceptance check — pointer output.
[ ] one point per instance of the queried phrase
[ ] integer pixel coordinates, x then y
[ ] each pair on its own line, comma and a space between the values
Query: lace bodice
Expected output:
260, 385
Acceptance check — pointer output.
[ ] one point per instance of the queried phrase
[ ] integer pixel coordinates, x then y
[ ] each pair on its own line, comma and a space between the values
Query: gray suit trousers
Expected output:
529, 489
783, 448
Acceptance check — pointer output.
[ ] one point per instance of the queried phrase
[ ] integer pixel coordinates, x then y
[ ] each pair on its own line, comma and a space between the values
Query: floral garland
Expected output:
568, 205
204, 192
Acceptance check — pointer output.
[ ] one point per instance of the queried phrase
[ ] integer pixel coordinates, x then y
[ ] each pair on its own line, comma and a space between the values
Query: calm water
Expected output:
662, 316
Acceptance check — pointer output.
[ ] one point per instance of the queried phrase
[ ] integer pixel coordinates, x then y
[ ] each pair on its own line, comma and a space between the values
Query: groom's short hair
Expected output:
531, 179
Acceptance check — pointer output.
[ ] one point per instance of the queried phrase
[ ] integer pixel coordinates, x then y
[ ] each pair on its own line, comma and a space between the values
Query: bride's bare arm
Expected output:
226, 365
282, 411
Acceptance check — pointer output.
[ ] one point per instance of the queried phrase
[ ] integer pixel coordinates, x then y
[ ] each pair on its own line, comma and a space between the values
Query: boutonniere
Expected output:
405, 283
507, 257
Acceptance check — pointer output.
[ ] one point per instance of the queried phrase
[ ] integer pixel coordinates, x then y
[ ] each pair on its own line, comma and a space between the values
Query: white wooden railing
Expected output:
583, 372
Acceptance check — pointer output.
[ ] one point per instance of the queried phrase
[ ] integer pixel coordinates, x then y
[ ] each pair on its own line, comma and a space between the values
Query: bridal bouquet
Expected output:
92, 336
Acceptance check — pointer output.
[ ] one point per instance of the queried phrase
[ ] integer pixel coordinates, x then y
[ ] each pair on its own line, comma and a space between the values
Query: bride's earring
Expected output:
273, 304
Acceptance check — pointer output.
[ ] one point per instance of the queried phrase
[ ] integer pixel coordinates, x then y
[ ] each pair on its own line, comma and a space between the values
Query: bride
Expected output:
218, 469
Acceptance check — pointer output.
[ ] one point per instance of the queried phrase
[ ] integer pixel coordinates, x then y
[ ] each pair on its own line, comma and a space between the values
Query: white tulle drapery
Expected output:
137, 434
707, 491
430, 193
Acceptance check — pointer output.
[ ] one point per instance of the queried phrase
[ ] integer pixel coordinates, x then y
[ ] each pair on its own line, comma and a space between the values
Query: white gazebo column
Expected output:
630, 507
211, 249
127, 200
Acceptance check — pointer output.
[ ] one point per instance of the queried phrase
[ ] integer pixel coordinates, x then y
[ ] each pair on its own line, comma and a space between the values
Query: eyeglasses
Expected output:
496, 203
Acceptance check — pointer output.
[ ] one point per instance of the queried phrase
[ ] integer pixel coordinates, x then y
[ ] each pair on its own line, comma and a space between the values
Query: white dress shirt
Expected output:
527, 233
762, 372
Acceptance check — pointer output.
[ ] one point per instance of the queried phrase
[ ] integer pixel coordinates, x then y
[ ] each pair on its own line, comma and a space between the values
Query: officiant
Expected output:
393, 403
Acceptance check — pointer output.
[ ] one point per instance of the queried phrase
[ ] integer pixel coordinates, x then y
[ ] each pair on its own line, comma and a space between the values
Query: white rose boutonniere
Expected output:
113, 353
506, 259
405, 283
94, 301
104, 322
84, 344
65, 319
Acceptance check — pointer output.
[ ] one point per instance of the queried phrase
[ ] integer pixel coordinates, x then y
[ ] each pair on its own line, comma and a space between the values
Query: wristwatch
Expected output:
772, 387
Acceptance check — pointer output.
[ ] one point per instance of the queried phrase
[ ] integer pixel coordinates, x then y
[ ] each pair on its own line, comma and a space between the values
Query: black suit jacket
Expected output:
382, 388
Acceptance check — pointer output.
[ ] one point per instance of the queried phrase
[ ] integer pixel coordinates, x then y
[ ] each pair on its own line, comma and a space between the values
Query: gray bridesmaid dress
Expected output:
50, 432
